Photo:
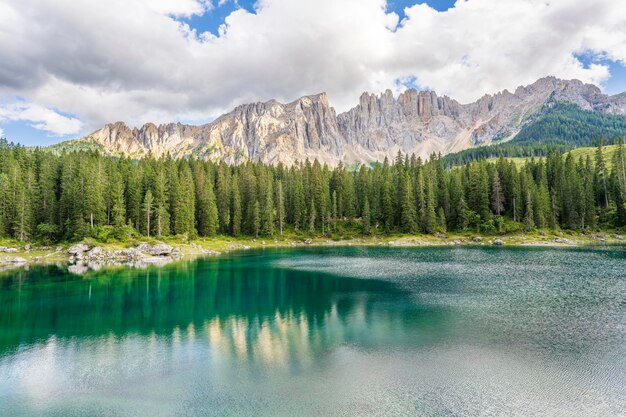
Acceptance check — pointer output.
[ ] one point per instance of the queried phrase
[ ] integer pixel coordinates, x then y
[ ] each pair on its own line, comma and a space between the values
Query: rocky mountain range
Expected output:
378, 126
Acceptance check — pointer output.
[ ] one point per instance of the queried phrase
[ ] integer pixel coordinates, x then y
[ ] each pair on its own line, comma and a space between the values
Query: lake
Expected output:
478, 331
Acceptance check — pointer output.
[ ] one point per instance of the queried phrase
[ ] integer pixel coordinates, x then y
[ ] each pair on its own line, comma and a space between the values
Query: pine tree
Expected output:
430, 214
267, 214
118, 210
280, 206
161, 202
256, 219
497, 197
184, 203
235, 208
22, 222
334, 210
408, 215
618, 183
5, 205
312, 216
206, 215
601, 173
420, 198
588, 197
441, 219
69, 196
528, 210
366, 217
387, 204
173, 196
528, 201
478, 199
48, 189
212, 218
147, 209
299, 208
223, 197
133, 192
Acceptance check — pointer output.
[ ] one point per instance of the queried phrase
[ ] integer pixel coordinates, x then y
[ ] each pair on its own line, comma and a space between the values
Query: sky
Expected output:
68, 67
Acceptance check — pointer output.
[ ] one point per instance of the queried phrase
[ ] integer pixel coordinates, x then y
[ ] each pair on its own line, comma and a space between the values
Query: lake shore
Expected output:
94, 255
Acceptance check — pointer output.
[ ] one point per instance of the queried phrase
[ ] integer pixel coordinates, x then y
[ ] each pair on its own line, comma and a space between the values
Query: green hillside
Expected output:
561, 127
76, 145
584, 151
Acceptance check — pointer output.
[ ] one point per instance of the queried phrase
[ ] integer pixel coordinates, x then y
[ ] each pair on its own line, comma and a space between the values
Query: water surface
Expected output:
322, 332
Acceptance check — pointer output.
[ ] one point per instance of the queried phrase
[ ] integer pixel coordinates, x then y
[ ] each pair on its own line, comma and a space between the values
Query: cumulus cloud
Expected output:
135, 60
40, 118
179, 8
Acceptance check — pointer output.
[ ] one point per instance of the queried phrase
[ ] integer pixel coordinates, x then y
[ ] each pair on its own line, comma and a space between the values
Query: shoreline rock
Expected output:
86, 259
564, 240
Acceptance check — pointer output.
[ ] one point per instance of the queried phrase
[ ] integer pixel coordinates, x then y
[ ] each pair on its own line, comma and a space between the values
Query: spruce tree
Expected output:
184, 203
280, 206
366, 218
312, 217
256, 218
148, 201
408, 215
335, 210
267, 214
235, 208
387, 204
497, 196
601, 173
430, 214
223, 197
161, 203
118, 210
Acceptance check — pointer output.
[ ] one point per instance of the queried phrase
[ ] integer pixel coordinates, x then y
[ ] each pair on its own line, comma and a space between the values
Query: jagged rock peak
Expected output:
419, 122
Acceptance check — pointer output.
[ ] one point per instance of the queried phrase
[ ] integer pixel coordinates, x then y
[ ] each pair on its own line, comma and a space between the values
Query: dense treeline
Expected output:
560, 128
568, 124
83, 194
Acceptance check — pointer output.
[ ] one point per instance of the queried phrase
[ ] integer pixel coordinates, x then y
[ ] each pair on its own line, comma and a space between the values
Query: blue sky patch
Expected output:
617, 82
211, 20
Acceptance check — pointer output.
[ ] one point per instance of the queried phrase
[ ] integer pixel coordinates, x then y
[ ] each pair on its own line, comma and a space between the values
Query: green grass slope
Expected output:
561, 127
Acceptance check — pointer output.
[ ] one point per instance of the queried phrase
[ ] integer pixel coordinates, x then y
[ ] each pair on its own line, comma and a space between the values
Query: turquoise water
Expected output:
322, 332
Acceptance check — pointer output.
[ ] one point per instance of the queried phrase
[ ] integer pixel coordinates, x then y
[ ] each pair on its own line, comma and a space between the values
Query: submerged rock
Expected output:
78, 269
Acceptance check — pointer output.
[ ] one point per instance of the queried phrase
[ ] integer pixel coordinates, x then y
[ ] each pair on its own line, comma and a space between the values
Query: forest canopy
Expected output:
75, 195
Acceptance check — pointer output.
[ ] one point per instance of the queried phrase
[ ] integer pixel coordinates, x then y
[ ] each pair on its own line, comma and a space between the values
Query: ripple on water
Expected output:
349, 331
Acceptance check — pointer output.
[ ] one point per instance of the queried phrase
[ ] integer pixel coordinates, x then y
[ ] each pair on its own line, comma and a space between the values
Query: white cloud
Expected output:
184, 8
132, 60
40, 118
1, 132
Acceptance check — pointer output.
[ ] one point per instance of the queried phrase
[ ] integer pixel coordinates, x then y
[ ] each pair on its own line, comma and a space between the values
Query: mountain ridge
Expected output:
380, 125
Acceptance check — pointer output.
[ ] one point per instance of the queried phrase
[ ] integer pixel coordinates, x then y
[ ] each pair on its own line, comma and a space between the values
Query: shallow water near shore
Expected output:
322, 331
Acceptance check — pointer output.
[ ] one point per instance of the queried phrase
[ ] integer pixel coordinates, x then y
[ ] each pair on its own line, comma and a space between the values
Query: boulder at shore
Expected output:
78, 249
160, 249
